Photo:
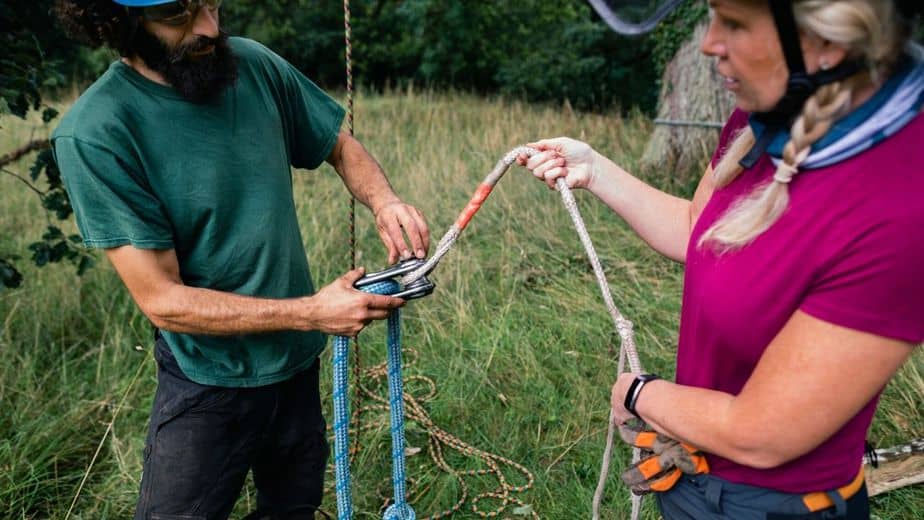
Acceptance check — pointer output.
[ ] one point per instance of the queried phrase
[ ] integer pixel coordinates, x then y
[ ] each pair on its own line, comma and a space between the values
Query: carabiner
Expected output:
416, 289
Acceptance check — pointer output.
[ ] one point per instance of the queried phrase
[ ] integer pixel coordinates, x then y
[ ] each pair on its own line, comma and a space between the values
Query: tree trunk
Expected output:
691, 92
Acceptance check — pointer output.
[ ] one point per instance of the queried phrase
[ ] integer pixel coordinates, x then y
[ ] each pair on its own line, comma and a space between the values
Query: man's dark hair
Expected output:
104, 23
98, 23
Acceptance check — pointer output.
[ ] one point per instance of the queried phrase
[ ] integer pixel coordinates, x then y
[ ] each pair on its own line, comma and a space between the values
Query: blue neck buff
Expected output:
892, 107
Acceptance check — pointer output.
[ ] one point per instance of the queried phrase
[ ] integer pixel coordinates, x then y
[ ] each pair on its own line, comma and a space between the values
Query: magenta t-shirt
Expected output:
848, 250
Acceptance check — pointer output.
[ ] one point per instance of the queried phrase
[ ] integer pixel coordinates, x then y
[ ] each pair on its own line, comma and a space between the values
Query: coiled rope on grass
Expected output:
438, 440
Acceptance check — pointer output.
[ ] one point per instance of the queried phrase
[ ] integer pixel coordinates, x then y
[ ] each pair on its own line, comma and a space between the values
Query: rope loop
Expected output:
627, 350
394, 512
399, 510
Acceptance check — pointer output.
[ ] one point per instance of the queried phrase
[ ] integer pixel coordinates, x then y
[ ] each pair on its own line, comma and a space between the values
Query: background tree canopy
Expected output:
540, 50
32, 62
537, 50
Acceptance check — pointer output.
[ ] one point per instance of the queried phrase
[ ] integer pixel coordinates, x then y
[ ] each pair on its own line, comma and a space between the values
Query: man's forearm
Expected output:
362, 175
192, 310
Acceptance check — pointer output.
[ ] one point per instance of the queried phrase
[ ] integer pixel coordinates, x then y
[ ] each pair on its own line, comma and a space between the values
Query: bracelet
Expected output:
635, 389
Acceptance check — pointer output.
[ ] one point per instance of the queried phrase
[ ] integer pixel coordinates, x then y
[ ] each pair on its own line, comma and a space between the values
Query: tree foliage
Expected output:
26, 72
540, 50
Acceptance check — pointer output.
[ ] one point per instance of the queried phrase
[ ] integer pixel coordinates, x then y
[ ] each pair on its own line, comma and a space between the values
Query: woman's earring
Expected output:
824, 65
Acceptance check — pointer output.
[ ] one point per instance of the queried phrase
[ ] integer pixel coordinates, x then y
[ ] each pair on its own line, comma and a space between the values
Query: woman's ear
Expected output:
821, 54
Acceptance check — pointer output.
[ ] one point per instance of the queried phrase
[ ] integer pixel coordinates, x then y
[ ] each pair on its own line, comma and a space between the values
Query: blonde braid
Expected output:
728, 168
870, 30
750, 216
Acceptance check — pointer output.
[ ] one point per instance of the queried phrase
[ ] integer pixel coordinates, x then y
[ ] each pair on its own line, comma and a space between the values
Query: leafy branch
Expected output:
54, 245
27, 73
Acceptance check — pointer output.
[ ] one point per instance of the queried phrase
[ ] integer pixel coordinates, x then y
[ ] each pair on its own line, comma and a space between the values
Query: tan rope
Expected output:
627, 349
438, 439
348, 54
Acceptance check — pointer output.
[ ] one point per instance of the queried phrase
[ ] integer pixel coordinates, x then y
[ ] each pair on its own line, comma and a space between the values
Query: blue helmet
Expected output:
142, 3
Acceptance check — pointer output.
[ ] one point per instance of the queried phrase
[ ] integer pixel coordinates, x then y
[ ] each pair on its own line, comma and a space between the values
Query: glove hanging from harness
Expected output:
663, 461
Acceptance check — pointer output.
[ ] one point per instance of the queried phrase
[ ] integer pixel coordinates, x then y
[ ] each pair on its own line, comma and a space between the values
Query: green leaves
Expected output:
671, 34
25, 73
55, 247
9, 276
543, 50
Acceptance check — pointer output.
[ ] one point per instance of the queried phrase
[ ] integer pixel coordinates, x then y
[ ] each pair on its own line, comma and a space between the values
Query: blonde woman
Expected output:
802, 248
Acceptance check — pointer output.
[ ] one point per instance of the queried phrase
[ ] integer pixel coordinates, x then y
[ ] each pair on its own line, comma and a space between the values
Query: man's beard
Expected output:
199, 79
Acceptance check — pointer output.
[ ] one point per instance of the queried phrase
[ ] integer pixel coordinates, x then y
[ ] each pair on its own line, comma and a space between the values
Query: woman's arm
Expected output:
660, 219
663, 221
812, 379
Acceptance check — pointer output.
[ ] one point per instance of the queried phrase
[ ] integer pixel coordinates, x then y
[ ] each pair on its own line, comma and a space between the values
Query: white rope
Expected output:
627, 349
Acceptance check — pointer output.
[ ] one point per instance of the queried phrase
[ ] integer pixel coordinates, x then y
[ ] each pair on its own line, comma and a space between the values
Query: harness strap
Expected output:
714, 495
822, 499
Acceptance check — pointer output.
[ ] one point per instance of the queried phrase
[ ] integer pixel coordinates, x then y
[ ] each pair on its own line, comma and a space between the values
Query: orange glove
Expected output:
663, 461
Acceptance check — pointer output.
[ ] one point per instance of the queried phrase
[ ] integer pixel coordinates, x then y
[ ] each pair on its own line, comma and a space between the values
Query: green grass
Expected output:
516, 336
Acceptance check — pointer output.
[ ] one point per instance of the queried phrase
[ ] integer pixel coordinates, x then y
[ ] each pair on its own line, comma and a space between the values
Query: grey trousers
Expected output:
707, 497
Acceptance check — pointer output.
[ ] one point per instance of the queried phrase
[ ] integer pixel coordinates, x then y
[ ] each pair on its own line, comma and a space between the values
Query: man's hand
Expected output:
396, 219
342, 310
365, 179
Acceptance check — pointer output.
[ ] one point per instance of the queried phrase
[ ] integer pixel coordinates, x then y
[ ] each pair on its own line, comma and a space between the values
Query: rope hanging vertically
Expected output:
348, 58
399, 509
347, 36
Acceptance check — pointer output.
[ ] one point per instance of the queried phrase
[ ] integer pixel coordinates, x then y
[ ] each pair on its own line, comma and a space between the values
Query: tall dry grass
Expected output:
516, 336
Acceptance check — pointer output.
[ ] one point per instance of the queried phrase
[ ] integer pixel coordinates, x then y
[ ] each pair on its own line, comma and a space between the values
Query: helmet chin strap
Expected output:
800, 84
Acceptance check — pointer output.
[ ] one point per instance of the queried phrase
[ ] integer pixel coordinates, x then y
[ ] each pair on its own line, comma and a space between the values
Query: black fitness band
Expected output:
635, 389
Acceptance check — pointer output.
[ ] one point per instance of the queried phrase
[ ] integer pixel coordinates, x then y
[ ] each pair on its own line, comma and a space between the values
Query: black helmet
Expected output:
636, 17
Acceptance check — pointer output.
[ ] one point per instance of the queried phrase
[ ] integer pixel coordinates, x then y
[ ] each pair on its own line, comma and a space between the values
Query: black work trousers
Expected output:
202, 441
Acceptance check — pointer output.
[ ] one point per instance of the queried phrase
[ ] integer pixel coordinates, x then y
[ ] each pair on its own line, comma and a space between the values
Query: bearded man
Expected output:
178, 164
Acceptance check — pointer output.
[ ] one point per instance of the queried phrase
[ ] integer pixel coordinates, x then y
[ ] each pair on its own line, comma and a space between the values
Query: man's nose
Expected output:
206, 22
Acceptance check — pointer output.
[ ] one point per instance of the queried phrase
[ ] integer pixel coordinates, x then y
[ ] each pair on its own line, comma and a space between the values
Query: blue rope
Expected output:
399, 509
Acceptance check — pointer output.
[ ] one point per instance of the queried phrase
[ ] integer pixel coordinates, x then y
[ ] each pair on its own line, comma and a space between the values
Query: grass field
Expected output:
516, 336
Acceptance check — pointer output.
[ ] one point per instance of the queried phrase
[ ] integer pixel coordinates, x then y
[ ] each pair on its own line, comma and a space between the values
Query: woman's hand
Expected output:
618, 397
562, 157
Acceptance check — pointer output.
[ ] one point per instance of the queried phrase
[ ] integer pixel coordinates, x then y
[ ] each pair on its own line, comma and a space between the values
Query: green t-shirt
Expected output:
212, 181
